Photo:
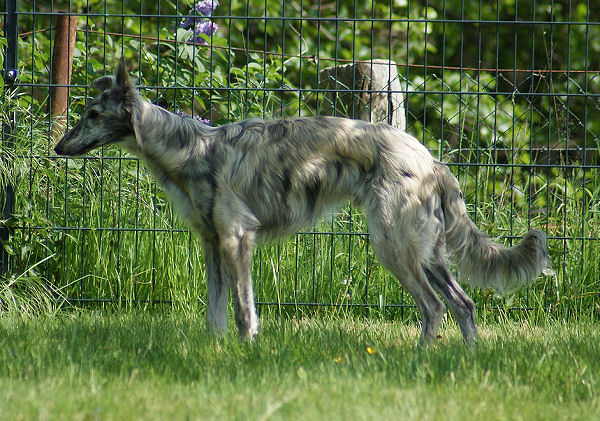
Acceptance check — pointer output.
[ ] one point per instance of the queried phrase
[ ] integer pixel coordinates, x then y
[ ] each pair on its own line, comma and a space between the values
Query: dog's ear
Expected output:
130, 98
122, 80
102, 83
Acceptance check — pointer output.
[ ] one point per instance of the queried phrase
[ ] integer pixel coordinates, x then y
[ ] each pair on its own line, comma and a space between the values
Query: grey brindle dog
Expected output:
255, 180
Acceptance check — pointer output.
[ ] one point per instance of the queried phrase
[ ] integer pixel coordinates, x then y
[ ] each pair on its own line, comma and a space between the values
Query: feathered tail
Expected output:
485, 263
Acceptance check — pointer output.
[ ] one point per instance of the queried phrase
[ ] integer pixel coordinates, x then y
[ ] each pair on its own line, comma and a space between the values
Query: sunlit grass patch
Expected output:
140, 365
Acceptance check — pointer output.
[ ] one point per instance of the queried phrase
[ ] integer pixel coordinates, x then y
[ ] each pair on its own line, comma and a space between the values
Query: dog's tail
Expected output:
485, 263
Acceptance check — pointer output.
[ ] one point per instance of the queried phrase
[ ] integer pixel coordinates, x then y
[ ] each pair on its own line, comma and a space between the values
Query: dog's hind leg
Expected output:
402, 259
460, 303
216, 288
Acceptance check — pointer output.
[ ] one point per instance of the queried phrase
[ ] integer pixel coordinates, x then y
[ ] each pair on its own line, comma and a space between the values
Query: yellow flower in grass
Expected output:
371, 351
338, 359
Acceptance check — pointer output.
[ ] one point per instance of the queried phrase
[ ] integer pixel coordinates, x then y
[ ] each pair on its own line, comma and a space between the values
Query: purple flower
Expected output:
206, 28
206, 7
203, 28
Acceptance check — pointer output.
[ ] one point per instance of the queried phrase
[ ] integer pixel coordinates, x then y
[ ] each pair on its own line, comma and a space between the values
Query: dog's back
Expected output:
291, 171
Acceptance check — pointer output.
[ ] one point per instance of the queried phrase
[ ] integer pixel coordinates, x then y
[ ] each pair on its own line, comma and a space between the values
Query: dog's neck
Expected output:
166, 139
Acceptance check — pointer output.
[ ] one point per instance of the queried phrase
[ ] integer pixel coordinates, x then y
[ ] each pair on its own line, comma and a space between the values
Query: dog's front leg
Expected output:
216, 288
236, 254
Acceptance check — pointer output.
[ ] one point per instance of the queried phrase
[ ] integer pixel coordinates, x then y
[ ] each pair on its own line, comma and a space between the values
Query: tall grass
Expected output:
99, 230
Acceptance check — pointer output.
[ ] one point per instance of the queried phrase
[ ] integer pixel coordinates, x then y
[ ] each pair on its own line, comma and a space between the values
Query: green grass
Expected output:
99, 228
154, 365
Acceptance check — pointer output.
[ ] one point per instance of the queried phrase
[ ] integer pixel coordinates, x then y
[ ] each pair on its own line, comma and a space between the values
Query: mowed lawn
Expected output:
143, 365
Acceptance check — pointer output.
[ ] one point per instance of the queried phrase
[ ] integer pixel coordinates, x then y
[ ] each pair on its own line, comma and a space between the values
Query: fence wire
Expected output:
505, 92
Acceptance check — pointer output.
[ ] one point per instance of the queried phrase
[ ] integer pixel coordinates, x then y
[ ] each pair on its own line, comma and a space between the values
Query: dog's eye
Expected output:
93, 114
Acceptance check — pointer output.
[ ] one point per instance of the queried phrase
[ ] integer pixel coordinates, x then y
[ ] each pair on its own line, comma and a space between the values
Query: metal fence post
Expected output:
10, 73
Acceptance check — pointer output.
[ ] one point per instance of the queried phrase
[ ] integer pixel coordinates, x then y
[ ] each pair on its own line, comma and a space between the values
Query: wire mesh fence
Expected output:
505, 92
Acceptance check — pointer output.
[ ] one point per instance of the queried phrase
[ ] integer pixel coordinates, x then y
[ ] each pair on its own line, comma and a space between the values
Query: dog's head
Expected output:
107, 118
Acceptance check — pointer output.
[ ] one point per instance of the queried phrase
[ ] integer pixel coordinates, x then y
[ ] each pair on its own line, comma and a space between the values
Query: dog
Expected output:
258, 180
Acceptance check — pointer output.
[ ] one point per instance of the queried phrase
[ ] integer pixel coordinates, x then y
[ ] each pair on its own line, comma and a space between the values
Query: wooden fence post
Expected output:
367, 90
62, 64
